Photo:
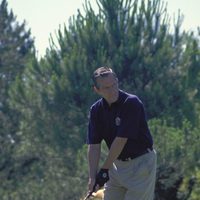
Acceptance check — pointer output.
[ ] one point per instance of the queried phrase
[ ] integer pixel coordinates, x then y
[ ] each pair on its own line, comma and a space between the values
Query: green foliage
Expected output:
39, 173
47, 128
196, 192
16, 46
15, 43
176, 146
178, 160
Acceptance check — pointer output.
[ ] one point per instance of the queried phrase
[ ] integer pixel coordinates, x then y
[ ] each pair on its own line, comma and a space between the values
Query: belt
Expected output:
148, 150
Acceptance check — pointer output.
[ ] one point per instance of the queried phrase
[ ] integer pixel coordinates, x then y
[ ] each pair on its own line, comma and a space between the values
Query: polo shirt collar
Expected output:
118, 102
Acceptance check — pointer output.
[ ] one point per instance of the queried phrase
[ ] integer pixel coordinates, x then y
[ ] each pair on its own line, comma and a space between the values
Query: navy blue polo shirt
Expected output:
124, 118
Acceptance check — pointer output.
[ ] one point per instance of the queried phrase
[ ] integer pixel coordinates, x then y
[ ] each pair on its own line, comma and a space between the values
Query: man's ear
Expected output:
96, 89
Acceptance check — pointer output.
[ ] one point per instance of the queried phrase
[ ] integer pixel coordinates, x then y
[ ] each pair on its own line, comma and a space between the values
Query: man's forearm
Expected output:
94, 151
115, 150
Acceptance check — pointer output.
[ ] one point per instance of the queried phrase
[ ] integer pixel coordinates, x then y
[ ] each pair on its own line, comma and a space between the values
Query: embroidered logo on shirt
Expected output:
117, 121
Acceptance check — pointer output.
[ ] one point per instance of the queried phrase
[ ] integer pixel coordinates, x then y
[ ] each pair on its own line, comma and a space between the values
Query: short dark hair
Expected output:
101, 72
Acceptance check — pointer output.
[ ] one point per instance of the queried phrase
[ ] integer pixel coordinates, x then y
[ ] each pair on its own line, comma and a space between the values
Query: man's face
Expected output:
108, 88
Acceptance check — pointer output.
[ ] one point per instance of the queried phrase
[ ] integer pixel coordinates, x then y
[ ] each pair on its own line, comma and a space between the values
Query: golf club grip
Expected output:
90, 193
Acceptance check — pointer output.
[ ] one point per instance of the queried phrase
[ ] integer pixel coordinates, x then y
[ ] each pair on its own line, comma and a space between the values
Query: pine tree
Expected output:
16, 46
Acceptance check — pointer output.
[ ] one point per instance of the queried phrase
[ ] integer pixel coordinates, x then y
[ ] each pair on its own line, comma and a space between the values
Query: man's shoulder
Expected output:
131, 103
130, 97
96, 105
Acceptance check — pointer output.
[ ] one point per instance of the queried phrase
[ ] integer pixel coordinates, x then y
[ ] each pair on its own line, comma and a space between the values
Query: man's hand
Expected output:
91, 187
102, 177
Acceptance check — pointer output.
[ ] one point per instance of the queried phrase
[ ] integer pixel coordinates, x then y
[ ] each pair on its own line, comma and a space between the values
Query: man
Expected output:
118, 118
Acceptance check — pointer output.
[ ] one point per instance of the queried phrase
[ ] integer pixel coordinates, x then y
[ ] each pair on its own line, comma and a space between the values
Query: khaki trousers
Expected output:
132, 180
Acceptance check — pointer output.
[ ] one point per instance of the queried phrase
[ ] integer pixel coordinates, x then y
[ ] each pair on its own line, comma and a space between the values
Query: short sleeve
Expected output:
93, 135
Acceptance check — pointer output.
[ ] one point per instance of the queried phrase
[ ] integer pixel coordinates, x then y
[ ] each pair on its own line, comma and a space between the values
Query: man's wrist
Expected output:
104, 169
102, 177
